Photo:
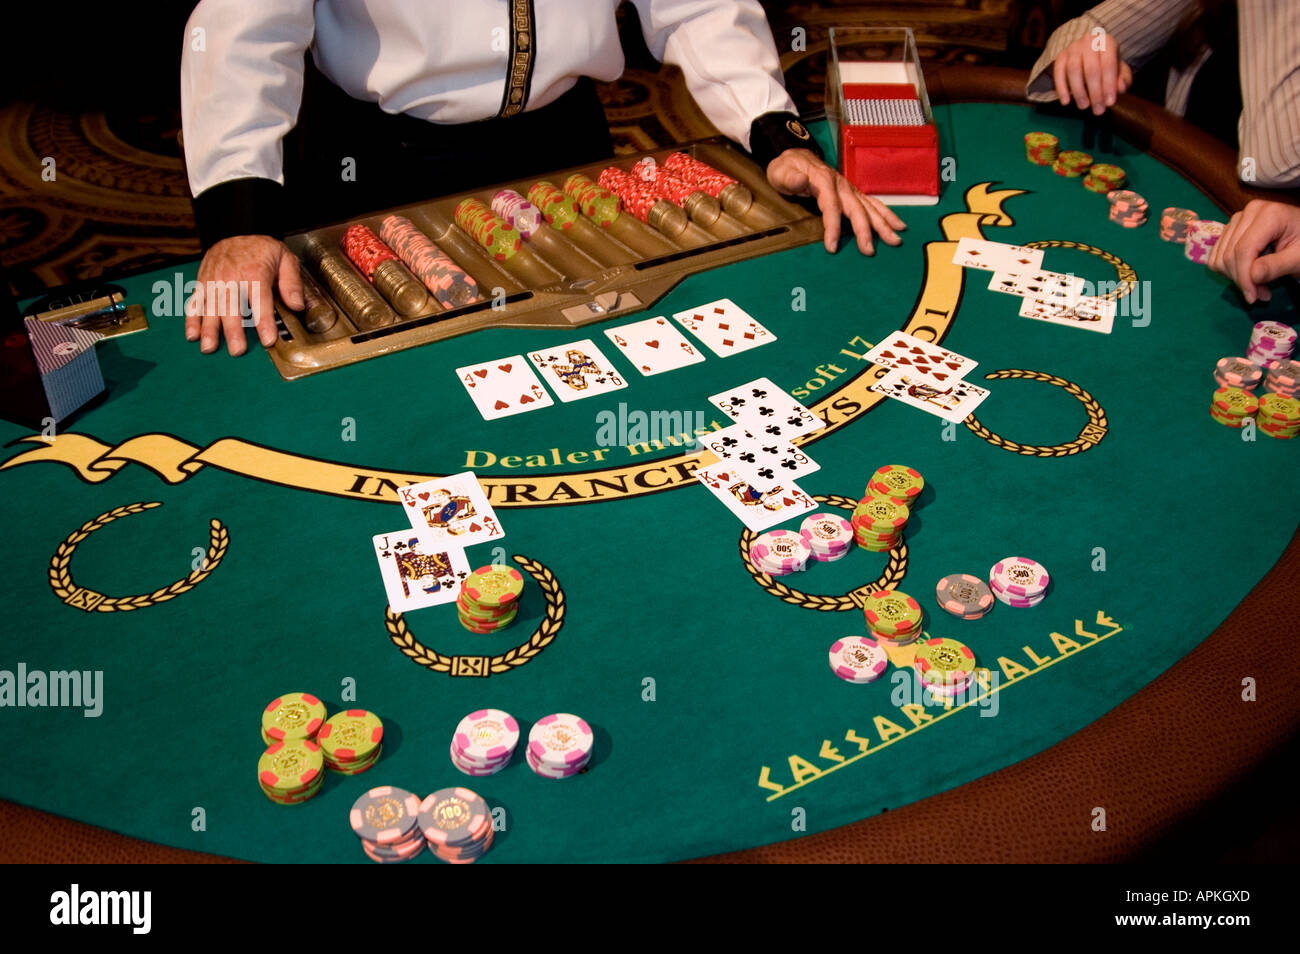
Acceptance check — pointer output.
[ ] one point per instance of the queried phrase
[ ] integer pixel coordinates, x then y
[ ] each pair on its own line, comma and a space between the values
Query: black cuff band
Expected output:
773, 133
239, 207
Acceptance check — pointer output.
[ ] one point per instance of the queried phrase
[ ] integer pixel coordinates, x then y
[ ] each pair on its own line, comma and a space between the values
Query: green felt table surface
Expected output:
698, 682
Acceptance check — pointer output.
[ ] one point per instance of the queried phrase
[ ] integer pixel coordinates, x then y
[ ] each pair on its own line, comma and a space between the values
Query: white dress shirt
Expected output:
1269, 52
444, 61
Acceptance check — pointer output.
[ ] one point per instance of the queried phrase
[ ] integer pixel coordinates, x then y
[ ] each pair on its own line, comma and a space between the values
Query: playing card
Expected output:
419, 570
453, 510
766, 410
1092, 314
952, 403
758, 457
503, 387
725, 327
901, 350
996, 256
577, 370
654, 346
1041, 284
758, 506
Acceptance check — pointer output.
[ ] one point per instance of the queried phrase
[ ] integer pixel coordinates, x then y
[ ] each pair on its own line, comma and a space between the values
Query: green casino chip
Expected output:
944, 661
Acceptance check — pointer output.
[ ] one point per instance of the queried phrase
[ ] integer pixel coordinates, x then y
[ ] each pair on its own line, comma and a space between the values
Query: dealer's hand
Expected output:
1239, 251
800, 172
1090, 72
242, 266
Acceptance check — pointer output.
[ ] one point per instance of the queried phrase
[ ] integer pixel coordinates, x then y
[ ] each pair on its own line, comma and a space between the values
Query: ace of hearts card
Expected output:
654, 346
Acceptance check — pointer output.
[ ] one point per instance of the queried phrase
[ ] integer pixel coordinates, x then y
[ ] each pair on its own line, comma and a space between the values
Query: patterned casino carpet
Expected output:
119, 200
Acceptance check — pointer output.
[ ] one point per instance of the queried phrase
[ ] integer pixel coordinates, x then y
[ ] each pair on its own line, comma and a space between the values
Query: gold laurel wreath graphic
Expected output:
1091, 435
84, 599
895, 570
1125, 272
484, 666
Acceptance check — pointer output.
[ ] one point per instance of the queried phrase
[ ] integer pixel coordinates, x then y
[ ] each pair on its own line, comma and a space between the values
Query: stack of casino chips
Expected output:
1279, 416
518, 211
637, 196
1072, 163
828, 536
387, 821
1283, 378
1104, 177
1019, 581
1041, 148
878, 523
1202, 236
384, 269
964, 595
559, 209
778, 552
898, 482
294, 715
457, 824
664, 185
1127, 208
946, 667
559, 745
893, 617
597, 202
701, 175
366, 250
1238, 373
351, 741
484, 742
489, 599
1271, 341
858, 659
448, 282
1174, 222
497, 236
291, 772
1231, 406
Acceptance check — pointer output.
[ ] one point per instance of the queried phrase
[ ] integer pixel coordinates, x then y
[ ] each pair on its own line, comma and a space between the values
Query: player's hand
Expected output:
1239, 251
1090, 72
800, 172
246, 265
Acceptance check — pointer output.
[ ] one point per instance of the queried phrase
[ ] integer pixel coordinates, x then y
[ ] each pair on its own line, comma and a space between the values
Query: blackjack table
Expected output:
202, 539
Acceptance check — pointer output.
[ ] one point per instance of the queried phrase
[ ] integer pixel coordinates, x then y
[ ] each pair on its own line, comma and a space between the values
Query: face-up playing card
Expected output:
419, 571
724, 327
577, 370
654, 346
996, 256
766, 410
952, 402
453, 510
1040, 283
1092, 314
758, 458
901, 350
503, 387
758, 506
